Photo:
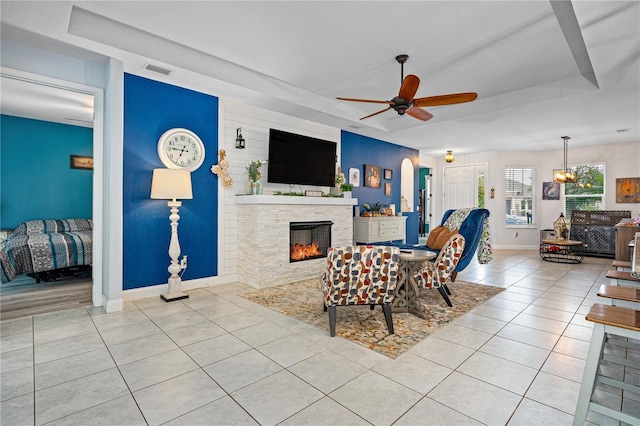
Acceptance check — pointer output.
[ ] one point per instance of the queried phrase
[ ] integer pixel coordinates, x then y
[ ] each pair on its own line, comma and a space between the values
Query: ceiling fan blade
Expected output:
366, 100
409, 87
453, 98
419, 113
376, 113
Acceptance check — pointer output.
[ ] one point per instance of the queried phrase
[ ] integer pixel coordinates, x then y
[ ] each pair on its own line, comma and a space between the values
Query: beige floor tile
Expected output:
397, 398
177, 396
179, 362
238, 371
277, 397
474, 398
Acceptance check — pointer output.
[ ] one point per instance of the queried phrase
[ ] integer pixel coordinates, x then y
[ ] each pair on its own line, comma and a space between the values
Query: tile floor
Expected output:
217, 358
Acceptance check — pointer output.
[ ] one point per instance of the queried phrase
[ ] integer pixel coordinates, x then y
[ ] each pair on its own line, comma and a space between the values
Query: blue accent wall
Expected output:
150, 109
357, 150
36, 181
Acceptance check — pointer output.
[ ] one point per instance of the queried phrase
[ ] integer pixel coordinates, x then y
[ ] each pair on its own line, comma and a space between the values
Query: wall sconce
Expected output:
239, 138
449, 157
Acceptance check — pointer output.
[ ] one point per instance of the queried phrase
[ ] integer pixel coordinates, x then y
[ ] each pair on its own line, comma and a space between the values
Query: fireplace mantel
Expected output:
298, 200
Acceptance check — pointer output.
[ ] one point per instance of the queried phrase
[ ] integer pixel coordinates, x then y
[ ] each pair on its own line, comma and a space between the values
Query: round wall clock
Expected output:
181, 149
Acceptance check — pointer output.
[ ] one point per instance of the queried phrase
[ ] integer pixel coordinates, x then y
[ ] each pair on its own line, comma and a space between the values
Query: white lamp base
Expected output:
175, 291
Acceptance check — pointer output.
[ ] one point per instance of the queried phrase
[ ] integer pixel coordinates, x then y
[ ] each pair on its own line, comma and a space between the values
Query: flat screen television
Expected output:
300, 160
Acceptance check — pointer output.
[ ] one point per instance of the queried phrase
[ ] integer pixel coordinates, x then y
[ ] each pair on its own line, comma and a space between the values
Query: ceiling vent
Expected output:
158, 69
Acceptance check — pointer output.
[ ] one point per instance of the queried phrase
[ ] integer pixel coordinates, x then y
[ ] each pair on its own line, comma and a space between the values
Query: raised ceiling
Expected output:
541, 69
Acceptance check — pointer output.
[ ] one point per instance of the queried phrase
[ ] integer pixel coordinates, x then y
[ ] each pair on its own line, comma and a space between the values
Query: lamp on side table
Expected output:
173, 184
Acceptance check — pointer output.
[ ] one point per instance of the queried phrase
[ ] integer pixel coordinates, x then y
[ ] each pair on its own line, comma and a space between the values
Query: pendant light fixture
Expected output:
566, 174
449, 157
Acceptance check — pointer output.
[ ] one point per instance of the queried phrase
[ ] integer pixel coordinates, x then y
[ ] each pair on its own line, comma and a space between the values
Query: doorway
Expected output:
464, 186
72, 92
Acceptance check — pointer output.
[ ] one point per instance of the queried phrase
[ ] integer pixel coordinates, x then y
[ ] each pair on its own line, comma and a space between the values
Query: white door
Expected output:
460, 187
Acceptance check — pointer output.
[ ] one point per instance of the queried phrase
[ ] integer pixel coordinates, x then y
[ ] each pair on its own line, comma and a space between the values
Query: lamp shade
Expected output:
171, 184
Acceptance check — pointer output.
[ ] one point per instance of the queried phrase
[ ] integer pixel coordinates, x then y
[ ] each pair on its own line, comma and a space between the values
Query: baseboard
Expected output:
157, 290
113, 305
516, 247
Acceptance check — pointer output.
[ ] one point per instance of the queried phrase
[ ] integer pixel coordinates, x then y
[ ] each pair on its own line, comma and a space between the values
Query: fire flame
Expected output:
304, 251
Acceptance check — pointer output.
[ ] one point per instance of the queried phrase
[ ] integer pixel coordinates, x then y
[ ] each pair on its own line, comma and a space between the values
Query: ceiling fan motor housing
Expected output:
400, 105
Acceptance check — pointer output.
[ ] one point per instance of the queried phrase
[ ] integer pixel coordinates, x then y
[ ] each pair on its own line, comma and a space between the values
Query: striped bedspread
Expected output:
45, 245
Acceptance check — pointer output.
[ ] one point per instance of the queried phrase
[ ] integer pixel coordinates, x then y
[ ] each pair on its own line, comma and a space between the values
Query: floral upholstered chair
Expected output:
360, 275
438, 273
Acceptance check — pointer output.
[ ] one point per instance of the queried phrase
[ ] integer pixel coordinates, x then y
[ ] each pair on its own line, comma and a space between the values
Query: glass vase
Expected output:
256, 188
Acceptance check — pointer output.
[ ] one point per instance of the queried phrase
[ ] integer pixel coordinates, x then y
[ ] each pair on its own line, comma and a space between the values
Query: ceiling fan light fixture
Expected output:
449, 157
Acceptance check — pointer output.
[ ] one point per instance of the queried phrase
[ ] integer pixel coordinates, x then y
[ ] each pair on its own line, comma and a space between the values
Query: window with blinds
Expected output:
519, 195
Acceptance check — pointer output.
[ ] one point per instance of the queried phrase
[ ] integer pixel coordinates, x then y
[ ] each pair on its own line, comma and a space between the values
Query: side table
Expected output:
408, 293
561, 251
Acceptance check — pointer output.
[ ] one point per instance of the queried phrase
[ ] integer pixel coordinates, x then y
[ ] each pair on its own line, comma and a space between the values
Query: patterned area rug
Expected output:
303, 301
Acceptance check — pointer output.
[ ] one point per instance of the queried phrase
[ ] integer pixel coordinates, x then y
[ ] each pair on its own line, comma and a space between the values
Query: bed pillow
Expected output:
433, 236
442, 239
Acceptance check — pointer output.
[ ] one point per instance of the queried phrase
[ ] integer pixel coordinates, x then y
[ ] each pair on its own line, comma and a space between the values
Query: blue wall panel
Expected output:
357, 150
151, 108
36, 181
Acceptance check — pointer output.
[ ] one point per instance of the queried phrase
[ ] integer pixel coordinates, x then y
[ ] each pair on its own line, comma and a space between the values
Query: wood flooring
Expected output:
31, 299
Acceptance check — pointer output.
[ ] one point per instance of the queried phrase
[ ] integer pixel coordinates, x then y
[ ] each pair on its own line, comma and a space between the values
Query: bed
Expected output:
39, 247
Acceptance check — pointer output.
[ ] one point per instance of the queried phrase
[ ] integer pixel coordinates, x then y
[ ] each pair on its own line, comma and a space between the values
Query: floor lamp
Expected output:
171, 184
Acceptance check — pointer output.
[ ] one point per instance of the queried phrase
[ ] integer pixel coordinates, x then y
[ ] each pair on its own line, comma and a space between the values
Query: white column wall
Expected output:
255, 123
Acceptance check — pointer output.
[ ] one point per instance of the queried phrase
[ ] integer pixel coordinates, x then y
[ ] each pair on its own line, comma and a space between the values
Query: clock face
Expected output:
181, 149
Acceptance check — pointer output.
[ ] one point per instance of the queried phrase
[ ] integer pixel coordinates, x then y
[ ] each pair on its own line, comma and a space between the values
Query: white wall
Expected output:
255, 123
622, 160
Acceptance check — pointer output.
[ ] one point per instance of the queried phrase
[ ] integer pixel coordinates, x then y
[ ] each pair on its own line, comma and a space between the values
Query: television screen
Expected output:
301, 160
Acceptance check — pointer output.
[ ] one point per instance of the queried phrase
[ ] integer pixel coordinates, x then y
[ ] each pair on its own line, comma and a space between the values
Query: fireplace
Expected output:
309, 240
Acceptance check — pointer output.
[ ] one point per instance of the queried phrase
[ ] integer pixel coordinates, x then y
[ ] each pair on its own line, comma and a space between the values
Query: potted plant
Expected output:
346, 189
371, 210
253, 170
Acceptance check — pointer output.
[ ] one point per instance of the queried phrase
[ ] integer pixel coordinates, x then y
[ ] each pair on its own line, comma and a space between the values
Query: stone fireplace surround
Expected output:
263, 235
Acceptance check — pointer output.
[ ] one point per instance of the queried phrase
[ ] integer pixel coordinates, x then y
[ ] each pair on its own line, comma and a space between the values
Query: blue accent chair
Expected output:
471, 230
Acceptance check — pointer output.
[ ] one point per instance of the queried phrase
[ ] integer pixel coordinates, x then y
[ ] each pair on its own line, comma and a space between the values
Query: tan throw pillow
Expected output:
433, 236
442, 239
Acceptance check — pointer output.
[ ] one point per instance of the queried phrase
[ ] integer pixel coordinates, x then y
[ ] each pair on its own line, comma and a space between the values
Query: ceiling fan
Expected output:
405, 101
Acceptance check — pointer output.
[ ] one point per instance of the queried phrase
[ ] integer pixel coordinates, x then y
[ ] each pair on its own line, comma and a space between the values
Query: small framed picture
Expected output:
388, 174
80, 162
550, 191
387, 189
354, 177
